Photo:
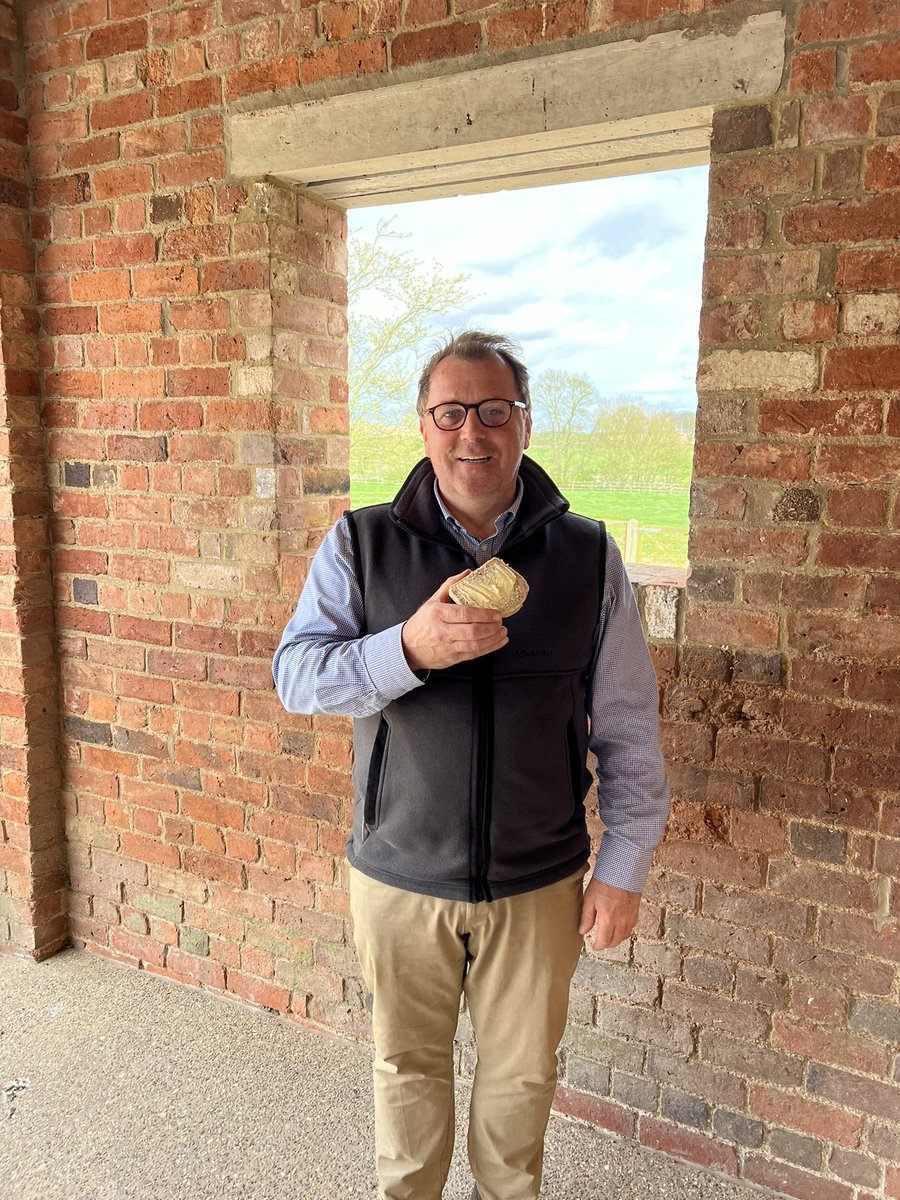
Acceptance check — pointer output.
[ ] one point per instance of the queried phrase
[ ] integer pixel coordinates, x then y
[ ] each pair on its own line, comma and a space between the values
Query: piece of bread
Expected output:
492, 585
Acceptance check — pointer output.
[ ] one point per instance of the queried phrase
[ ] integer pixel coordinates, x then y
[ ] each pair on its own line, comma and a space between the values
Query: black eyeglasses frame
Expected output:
468, 407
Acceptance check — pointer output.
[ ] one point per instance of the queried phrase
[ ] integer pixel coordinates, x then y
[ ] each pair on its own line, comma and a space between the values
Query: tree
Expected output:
634, 444
393, 299
565, 407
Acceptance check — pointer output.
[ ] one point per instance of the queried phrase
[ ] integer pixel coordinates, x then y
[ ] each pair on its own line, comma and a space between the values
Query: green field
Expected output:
662, 518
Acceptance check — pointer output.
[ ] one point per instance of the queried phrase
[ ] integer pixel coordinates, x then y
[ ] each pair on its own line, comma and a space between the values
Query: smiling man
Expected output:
469, 843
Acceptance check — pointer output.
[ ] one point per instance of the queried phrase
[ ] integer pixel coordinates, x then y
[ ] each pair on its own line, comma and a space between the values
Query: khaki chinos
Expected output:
513, 959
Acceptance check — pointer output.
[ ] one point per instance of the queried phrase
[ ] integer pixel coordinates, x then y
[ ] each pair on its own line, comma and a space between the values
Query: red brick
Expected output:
185, 97
861, 553
875, 217
868, 1096
804, 1115
723, 626
864, 769
784, 273
242, 275
135, 945
819, 884
772, 547
681, 1143
530, 26
198, 381
166, 281
122, 181
124, 251
859, 464
591, 1108
267, 995
835, 20
780, 1177
101, 285
91, 151
884, 594
736, 229
429, 12
270, 76
883, 165
850, 417
116, 39
862, 367
122, 110
812, 961
738, 749
179, 170
338, 22
888, 120
428, 45
868, 270
198, 241
808, 321
814, 70
876, 62
130, 318
199, 315
350, 58
787, 173
760, 460
47, 128
148, 141
875, 684
845, 931
837, 119
841, 170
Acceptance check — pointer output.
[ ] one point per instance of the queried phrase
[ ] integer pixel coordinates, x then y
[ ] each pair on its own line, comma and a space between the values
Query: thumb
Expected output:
442, 595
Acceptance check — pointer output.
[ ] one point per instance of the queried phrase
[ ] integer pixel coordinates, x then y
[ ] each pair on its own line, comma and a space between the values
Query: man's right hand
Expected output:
442, 633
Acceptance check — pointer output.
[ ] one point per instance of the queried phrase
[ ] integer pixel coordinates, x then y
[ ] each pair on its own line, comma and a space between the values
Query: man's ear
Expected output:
527, 431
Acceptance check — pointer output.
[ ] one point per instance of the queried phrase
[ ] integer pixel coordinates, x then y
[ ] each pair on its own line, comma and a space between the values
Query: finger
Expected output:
461, 614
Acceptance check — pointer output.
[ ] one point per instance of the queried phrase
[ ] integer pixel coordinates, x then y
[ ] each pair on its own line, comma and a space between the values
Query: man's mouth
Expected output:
483, 458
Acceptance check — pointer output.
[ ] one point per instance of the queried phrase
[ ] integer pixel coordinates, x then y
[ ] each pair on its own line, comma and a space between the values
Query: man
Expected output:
471, 734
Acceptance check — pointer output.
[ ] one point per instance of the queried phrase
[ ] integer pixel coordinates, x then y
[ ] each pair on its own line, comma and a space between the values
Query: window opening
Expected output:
600, 283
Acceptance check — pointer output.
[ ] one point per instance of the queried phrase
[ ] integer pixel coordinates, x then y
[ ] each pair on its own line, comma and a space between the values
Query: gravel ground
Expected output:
119, 1085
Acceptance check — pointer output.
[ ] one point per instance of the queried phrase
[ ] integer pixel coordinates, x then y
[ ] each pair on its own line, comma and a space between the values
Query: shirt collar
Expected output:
502, 523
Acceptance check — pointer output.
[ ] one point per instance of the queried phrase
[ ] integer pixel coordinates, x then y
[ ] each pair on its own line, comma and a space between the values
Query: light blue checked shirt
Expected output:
323, 665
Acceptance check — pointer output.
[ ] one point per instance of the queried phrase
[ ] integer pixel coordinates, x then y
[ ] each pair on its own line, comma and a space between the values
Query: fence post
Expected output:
631, 541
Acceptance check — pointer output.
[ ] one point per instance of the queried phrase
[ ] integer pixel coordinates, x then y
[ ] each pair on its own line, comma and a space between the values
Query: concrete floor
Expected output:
116, 1084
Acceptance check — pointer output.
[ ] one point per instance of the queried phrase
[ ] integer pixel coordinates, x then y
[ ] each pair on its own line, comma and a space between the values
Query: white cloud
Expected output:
601, 277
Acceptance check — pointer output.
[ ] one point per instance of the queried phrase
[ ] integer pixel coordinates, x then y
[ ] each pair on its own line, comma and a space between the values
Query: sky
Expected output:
601, 278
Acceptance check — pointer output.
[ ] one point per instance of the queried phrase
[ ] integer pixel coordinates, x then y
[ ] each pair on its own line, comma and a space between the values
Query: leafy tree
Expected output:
632, 443
394, 297
565, 406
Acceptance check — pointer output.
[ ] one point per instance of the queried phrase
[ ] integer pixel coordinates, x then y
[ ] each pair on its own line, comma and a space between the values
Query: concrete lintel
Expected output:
466, 127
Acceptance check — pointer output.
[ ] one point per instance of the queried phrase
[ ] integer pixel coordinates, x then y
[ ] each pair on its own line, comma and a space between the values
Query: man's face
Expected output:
476, 467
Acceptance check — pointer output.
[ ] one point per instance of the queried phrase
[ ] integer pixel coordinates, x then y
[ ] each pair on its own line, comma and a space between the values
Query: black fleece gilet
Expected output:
472, 786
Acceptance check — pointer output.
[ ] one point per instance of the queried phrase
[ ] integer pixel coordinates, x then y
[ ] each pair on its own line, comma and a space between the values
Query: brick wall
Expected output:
193, 429
32, 864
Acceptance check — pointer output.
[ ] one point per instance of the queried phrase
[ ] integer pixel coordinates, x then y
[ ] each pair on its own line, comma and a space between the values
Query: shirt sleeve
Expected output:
324, 663
624, 735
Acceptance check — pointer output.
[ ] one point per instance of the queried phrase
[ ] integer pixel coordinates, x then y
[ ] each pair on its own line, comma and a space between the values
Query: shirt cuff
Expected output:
386, 664
622, 864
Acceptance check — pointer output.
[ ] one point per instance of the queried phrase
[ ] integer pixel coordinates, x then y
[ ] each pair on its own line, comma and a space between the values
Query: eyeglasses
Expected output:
492, 413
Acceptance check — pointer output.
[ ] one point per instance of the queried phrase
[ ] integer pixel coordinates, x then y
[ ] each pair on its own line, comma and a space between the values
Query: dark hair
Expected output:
473, 344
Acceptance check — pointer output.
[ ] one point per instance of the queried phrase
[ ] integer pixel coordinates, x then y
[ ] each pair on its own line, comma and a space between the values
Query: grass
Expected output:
662, 518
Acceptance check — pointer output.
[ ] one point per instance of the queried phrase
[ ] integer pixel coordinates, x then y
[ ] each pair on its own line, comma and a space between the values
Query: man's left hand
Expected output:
614, 912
